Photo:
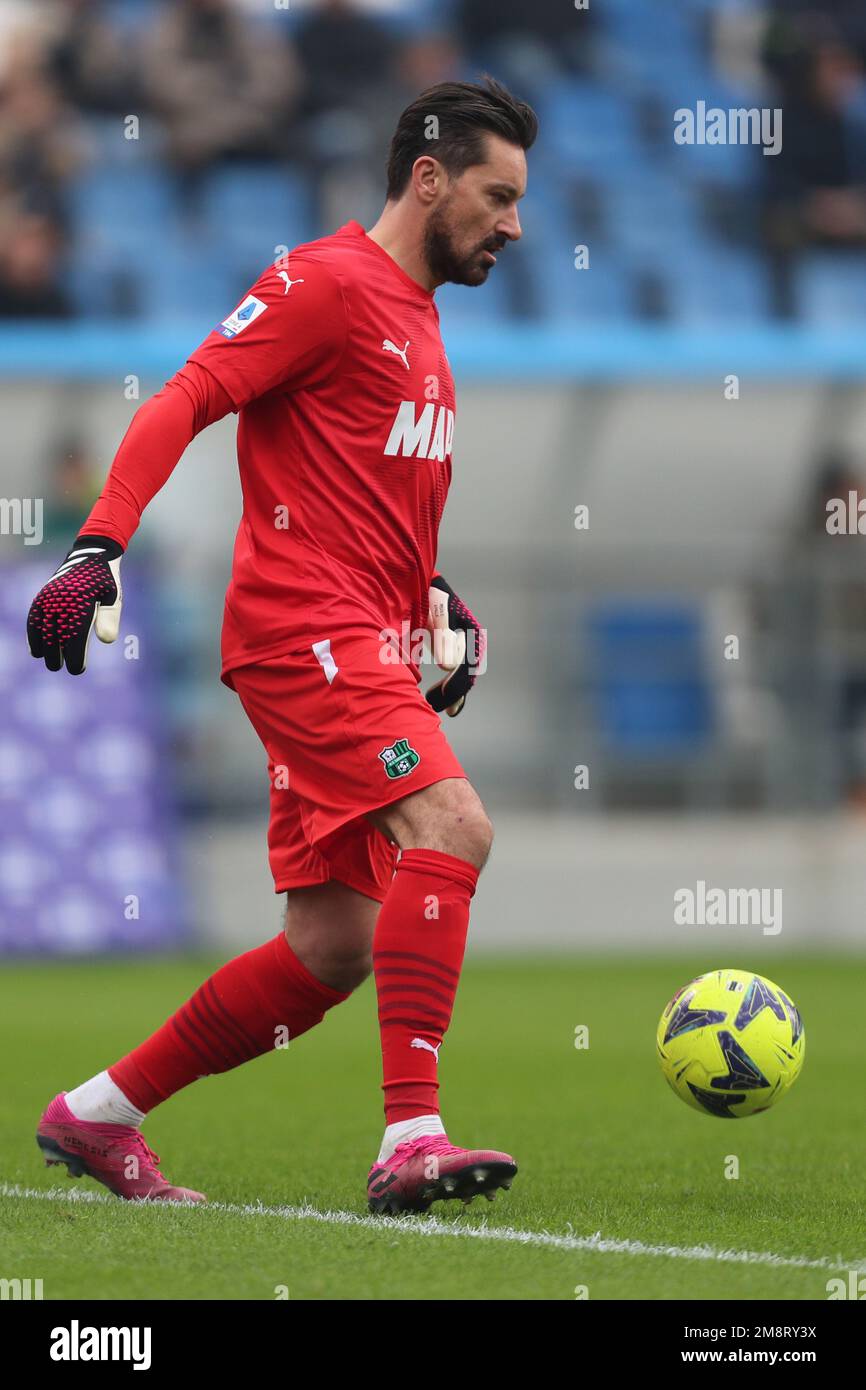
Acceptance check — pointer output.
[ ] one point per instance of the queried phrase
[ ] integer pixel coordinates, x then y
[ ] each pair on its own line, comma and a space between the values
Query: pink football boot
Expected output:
428, 1168
115, 1155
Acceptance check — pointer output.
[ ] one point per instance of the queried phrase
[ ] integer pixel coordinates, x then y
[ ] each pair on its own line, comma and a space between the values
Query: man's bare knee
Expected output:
330, 929
448, 816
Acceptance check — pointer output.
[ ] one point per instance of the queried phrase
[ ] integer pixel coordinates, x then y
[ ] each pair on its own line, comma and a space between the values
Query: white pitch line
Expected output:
431, 1226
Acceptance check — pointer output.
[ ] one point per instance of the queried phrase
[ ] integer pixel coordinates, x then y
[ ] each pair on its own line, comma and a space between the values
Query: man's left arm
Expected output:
459, 643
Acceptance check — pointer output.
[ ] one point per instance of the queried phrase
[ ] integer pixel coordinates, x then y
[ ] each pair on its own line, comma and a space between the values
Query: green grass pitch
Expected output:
605, 1149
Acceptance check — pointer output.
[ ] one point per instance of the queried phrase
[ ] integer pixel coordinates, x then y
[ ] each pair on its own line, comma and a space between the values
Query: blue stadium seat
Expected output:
186, 280
131, 15
650, 687
258, 205
665, 25
251, 210
725, 165
129, 205
654, 210
422, 17
603, 293
651, 47
831, 287
121, 214
488, 303
587, 127
95, 283
714, 284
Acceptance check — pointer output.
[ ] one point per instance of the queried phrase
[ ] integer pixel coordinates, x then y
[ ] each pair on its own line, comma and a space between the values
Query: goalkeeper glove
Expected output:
458, 647
82, 593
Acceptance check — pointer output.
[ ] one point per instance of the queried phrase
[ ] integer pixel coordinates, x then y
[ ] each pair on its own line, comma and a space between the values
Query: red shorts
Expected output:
345, 733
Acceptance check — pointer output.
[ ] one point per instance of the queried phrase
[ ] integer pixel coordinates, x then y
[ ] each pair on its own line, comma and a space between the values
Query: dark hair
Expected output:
464, 111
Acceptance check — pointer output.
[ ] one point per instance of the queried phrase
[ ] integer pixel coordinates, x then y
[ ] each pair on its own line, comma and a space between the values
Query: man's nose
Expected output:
510, 227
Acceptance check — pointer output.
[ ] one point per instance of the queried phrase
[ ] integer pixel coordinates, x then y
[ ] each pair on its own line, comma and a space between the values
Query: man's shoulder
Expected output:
317, 272
341, 253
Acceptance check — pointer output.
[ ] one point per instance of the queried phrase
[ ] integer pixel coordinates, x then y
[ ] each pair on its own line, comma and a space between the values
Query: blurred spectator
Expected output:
41, 142
815, 188
30, 271
834, 479
350, 101
92, 62
792, 21
423, 61
822, 671
528, 44
343, 52
224, 87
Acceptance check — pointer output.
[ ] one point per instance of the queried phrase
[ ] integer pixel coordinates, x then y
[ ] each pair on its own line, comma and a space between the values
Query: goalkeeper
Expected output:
335, 366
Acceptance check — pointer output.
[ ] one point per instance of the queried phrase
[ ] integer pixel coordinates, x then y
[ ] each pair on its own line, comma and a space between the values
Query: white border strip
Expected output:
431, 1226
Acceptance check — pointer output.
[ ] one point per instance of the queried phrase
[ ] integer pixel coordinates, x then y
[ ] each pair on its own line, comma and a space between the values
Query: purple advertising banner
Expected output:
88, 829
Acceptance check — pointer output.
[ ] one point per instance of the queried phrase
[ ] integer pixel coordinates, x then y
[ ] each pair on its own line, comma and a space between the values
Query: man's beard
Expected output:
444, 261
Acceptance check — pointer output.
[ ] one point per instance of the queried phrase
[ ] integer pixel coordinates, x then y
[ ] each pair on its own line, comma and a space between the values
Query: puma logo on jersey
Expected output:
284, 275
428, 437
428, 1047
388, 346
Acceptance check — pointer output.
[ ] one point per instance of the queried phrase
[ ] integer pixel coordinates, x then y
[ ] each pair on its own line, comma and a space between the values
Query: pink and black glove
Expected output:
459, 644
83, 593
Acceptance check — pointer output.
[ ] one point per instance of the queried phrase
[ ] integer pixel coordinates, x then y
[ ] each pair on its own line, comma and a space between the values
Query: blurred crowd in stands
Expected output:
315, 88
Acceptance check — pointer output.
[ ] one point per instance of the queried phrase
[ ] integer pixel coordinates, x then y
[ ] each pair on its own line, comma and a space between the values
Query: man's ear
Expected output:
427, 175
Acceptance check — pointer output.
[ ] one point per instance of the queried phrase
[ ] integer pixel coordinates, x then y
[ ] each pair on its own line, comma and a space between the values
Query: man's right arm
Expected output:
273, 338
160, 431
85, 591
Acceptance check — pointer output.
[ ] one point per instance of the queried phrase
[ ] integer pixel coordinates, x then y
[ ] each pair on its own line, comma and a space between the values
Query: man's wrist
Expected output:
113, 549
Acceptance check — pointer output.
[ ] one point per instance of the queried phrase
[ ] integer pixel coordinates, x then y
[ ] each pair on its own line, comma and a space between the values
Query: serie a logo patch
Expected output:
242, 317
399, 758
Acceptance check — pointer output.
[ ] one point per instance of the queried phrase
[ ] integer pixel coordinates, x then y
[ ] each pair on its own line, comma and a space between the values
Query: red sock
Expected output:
233, 1017
417, 954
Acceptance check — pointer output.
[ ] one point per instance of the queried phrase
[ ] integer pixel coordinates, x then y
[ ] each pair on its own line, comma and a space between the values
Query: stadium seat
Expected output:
831, 287
129, 205
602, 292
715, 284
255, 207
654, 211
587, 127
182, 282
458, 304
650, 685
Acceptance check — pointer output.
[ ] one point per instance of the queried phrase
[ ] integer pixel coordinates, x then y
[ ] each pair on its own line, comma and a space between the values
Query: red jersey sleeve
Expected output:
160, 431
290, 330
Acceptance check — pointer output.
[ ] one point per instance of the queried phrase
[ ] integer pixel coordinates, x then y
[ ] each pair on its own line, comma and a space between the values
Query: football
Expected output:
731, 1043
